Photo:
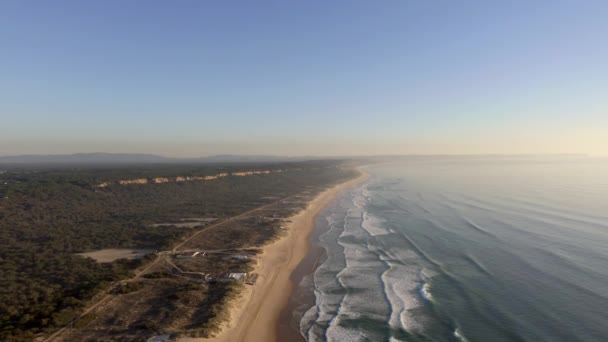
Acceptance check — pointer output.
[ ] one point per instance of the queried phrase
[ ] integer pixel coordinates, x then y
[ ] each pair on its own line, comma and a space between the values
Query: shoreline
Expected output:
256, 314
288, 328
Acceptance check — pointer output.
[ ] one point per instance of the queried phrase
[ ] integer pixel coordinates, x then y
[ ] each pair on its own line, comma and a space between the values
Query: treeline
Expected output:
51, 214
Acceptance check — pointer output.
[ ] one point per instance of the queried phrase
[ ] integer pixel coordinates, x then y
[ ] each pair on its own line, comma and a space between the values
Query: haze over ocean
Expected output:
475, 249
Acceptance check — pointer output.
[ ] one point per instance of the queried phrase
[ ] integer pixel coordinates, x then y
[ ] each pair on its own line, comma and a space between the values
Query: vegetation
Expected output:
215, 312
49, 215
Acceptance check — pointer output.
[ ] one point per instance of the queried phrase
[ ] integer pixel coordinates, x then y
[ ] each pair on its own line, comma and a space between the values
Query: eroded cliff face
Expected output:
219, 175
160, 180
249, 173
133, 181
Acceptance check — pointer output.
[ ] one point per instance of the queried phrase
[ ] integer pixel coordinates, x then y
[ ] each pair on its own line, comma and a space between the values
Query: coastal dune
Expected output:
255, 315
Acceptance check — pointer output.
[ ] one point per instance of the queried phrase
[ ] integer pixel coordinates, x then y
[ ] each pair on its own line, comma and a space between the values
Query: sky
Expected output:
194, 78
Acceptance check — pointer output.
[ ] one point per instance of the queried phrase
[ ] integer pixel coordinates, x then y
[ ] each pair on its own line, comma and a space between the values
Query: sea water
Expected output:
471, 249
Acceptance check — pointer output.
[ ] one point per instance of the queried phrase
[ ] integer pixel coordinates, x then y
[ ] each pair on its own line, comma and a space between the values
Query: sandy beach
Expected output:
255, 314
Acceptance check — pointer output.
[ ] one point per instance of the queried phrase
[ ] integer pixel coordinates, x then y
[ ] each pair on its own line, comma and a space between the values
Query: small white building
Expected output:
237, 276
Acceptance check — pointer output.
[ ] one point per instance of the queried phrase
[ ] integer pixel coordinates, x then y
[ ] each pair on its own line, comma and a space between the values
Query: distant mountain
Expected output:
135, 158
235, 158
84, 158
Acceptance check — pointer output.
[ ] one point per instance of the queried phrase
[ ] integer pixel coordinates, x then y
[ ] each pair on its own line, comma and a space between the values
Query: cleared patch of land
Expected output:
111, 254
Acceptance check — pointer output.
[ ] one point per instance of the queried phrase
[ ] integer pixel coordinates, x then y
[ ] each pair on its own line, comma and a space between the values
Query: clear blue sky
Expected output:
191, 78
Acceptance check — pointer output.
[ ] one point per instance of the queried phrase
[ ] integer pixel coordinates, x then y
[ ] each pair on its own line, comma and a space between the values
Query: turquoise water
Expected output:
472, 250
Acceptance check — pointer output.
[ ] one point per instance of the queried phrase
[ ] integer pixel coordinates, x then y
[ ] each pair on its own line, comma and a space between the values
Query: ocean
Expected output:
463, 249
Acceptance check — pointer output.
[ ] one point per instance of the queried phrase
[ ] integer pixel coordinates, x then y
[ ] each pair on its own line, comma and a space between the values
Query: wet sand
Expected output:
288, 324
256, 315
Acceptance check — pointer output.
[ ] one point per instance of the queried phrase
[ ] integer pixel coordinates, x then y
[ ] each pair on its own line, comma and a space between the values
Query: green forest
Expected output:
48, 214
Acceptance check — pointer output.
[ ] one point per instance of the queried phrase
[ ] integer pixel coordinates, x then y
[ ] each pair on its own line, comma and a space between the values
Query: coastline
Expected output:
256, 314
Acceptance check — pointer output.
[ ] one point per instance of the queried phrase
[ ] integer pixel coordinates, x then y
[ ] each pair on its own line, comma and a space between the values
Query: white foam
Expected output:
458, 334
382, 281
400, 282
339, 334
425, 291
360, 201
373, 225
360, 275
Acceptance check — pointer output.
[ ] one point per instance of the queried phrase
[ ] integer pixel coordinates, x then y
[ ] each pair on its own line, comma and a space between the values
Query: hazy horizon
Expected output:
189, 79
304, 156
244, 149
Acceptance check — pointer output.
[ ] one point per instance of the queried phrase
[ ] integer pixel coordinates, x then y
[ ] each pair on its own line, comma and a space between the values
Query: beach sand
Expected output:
255, 314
